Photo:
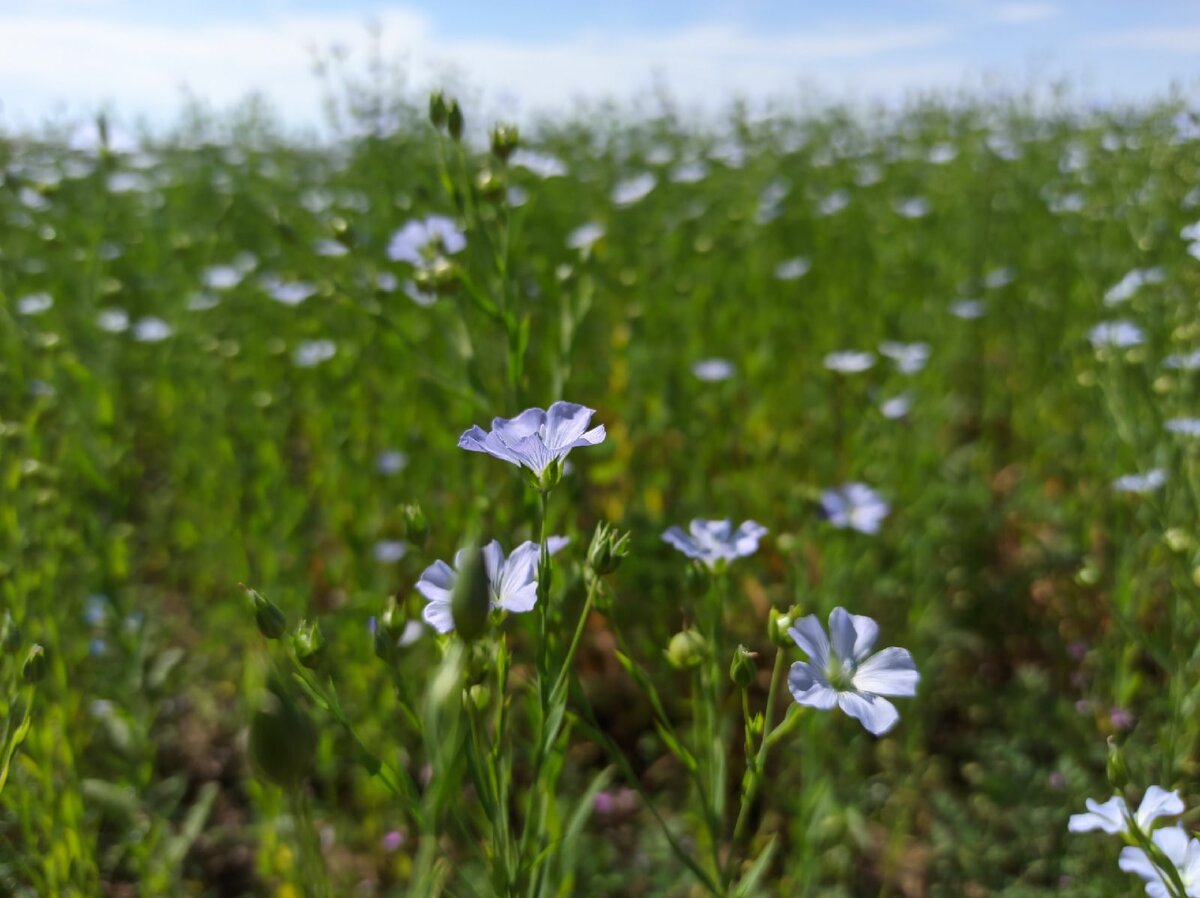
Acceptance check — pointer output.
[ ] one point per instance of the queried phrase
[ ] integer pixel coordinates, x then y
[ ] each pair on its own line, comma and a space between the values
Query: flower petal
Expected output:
1108, 817
1158, 802
675, 536
438, 616
493, 563
877, 714
565, 423
438, 574
866, 631
512, 430
841, 633
809, 687
519, 598
810, 636
1135, 861
889, 672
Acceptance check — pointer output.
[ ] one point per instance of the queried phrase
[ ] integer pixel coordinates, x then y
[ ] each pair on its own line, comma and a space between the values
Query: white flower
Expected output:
849, 361
512, 582
689, 173
330, 248
855, 505
712, 370
1180, 850
391, 462
202, 302
221, 277
1110, 816
942, 153
833, 203
290, 293
846, 674
715, 543
999, 277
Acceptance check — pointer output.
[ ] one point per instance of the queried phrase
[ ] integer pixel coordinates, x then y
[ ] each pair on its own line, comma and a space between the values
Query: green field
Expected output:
215, 373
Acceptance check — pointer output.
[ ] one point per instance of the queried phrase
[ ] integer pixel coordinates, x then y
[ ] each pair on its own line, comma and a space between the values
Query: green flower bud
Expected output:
437, 109
393, 620
454, 119
471, 601
607, 549
416, 527
491, 185
504, 140
778, 624
271, 621
10, 633
686, 649
283, 738
34, 668
1117, 769
309, 644
742, 668
479, 696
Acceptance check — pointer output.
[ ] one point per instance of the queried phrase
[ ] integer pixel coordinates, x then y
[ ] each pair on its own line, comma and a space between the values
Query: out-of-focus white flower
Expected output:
712, 370
849, 361
313, 352
1118, 334
633, 190
793, 269
114, 321
35, 303
151, 330
1141, 483
584, 236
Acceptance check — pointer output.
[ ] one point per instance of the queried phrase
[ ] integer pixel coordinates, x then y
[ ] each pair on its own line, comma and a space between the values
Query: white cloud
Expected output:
1023, 13
83, 59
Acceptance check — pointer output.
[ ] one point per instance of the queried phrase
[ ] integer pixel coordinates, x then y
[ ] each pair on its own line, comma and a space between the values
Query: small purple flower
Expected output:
715, 543
512, 582
855, 505
843, 672
392, 841
536, 439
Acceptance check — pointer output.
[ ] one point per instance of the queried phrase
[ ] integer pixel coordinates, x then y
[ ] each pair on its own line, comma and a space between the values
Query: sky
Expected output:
62, 60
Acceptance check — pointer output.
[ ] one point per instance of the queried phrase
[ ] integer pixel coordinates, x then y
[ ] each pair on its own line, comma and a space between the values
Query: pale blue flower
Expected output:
222, 277
1141, 483
967, 309
715, 543
833, 203
793, 269
535, 439
689, 173
151, 330
423, 240
1187, 362
1110, 816
913, 207
113, 321
584, 236
1132, 283
311, 353
849, 361
633, 190
855, 505
897, 406
1187, 426
1117, 334
909, 357
389, 551
845, 673
541, 164
290, 293
999, 277
35, 303
712, 370
391, 461
512, 582
1180, 850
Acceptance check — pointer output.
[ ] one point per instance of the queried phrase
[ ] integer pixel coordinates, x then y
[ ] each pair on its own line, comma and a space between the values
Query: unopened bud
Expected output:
742, 668
34, 668
778, 624
479, 695
686, 649
437, 109
490, 184
504, 140
393, 620
454, 119
283, 738
10, 633
1117, 769
416, 527
271, 621
309, 644
607, 549
470, 601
